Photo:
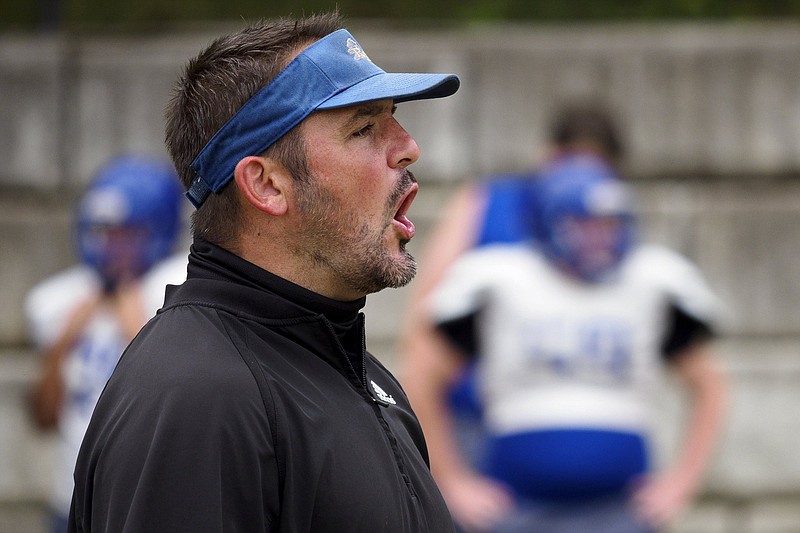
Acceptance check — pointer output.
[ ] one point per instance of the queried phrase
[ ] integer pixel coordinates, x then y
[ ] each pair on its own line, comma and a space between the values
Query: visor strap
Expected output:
198, 191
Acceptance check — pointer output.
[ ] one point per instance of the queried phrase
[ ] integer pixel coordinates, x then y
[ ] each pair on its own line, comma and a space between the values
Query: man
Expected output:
250, 402
81, 319
570, 328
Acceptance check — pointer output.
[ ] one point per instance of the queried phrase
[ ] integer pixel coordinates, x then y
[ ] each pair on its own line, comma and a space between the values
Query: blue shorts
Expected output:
566, 465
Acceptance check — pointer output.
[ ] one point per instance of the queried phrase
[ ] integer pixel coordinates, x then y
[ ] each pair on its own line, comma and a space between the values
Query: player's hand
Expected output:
476, 502
660, 498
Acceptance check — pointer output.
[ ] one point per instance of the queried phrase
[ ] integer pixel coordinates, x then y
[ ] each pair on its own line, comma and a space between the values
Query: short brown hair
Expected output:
214, 86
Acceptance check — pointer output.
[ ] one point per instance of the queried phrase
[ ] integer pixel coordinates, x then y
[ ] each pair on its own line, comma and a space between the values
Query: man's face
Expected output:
354, 208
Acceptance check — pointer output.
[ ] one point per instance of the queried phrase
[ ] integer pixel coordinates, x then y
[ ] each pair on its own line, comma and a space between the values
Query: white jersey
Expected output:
557, 353
49, 306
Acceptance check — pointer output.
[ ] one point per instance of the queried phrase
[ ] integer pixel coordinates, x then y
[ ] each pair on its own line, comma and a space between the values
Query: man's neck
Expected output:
273, 255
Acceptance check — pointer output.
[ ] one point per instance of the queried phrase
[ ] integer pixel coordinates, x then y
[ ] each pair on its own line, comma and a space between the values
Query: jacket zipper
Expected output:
377, 404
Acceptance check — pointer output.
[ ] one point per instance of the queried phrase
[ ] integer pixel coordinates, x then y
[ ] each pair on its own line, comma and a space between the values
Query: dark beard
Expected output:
384, 272
369, 268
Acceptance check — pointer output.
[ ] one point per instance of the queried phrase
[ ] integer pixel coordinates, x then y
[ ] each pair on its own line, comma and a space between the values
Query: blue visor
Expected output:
333, 72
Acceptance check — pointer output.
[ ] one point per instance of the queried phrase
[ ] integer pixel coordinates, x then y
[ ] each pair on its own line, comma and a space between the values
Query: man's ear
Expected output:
263, 183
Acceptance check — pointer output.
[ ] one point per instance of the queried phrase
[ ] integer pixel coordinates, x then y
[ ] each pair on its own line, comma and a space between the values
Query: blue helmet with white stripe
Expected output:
586, 219
129, 217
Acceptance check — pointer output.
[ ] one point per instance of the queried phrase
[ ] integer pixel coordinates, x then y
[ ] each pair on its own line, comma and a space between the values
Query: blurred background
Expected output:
707, 93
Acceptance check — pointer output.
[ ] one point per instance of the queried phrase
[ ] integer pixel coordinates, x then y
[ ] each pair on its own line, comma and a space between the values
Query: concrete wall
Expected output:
713, 121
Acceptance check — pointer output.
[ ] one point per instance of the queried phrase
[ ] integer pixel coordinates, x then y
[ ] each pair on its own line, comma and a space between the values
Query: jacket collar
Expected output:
220, 279
249, 289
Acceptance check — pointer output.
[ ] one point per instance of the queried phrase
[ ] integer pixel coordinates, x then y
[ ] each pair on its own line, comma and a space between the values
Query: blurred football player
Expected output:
81, 319
572, 327
496, 209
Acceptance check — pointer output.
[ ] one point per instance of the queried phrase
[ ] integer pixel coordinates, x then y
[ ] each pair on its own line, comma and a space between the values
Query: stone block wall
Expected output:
712, 114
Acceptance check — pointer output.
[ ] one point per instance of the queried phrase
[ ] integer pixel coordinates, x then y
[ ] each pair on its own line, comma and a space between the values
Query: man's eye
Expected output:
364, 131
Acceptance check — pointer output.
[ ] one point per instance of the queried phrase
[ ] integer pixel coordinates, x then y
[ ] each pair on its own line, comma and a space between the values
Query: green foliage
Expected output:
122, 15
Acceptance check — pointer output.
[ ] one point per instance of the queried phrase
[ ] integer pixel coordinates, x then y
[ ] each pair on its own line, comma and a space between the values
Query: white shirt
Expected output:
558, 353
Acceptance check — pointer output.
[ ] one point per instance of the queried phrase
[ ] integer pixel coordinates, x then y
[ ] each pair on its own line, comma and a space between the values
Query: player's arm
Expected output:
698, 367
47, 396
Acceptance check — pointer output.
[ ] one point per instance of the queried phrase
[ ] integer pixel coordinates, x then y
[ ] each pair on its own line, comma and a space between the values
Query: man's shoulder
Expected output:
202, 334
185, 325
188, 349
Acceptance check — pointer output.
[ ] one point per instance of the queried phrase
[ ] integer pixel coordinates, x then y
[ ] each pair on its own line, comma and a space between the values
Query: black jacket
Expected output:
238, 409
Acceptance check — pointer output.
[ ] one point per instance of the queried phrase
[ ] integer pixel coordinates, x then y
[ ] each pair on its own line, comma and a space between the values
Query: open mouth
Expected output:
401, 221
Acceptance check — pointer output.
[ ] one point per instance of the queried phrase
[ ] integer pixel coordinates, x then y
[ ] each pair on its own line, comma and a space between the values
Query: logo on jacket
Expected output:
381, 394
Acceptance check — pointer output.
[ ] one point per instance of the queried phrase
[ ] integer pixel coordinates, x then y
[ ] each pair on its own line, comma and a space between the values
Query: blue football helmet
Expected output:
586, 221
128, 218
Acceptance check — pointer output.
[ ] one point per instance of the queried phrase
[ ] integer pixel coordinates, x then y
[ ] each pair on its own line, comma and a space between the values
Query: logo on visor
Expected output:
355, 50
